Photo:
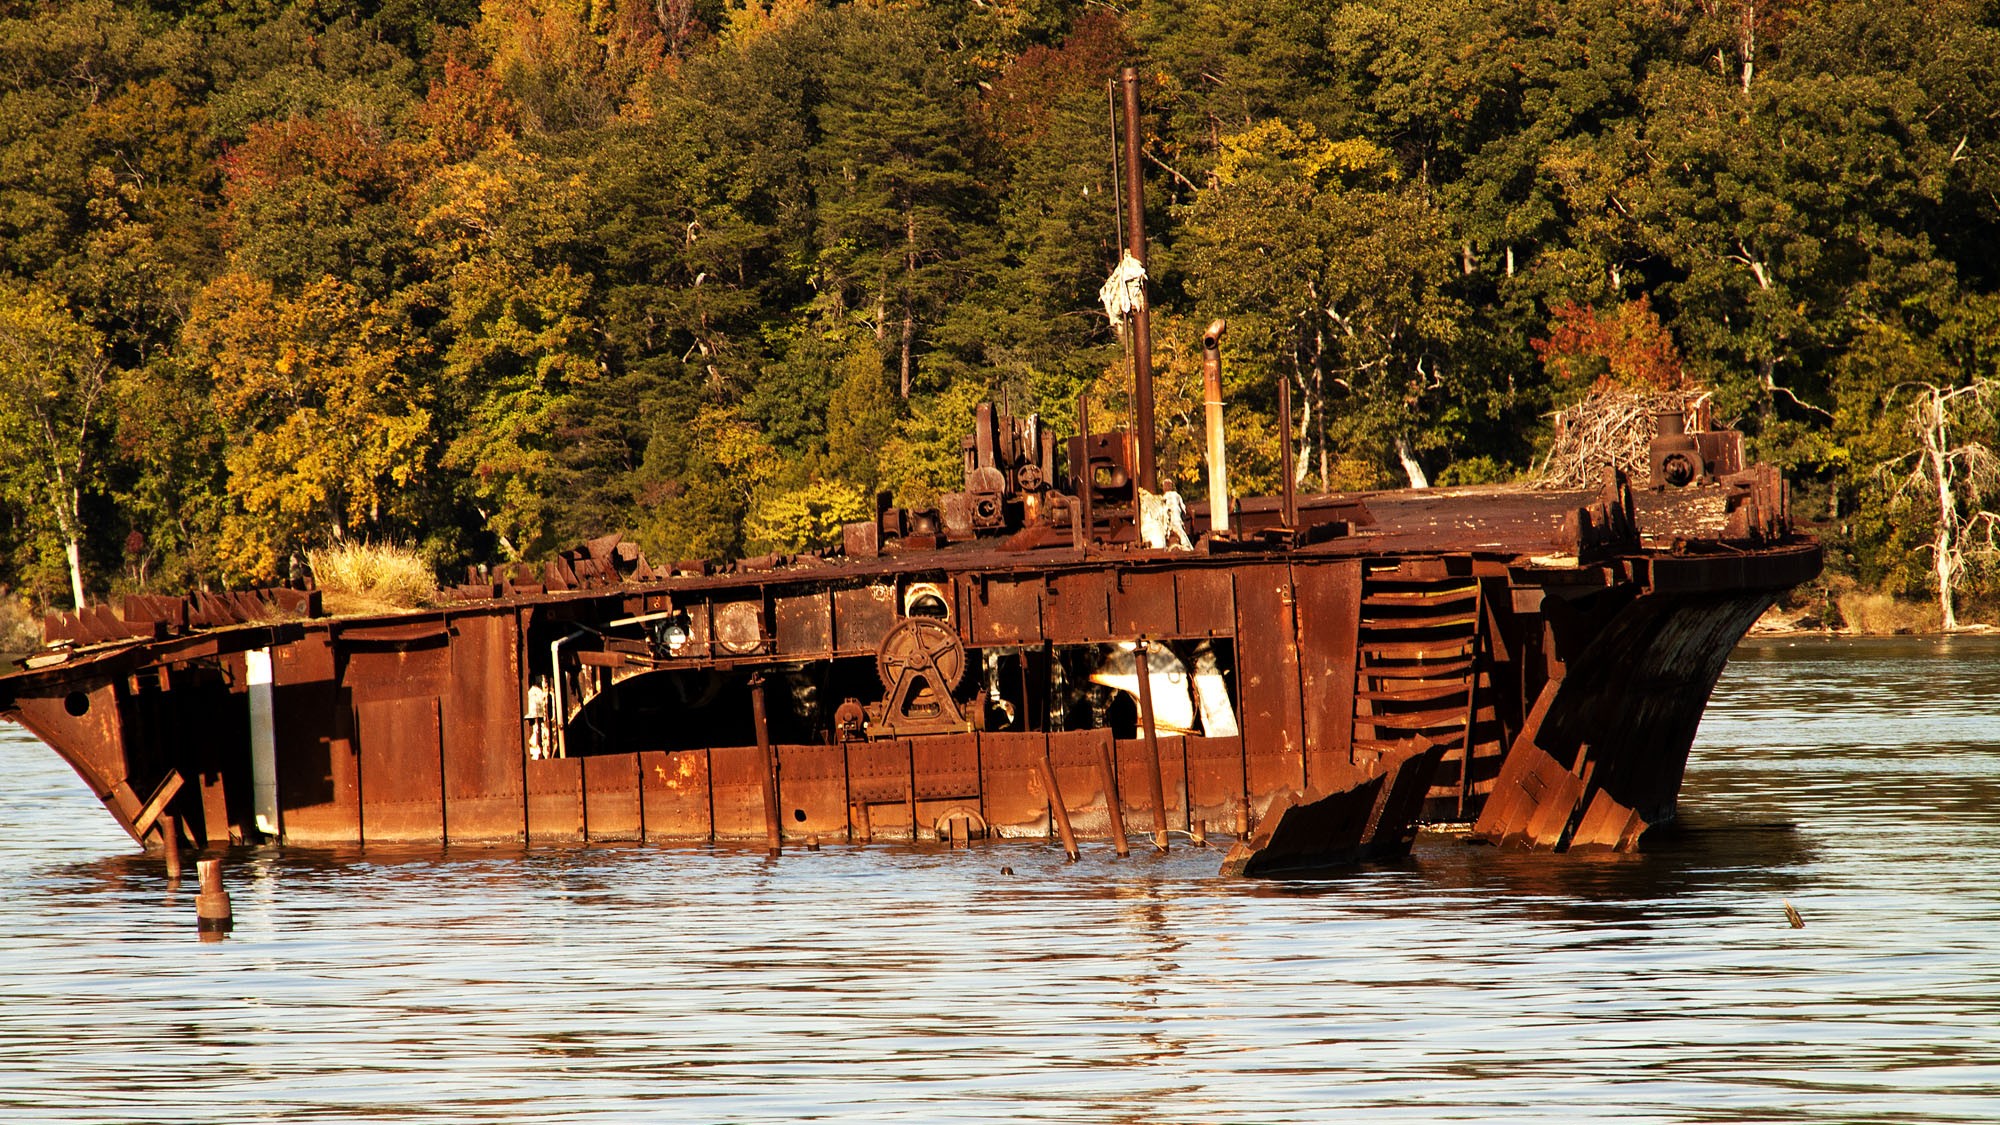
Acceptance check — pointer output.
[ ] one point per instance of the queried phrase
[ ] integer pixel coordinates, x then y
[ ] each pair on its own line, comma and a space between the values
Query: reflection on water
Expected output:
1859, 780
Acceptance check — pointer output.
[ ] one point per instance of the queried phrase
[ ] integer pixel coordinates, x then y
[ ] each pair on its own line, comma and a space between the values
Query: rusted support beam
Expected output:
767, 774
143, 823
1056, 808
1467, 744
212, 915
1535, 795
170, 839
1084, 518
1107, 765
1152, 736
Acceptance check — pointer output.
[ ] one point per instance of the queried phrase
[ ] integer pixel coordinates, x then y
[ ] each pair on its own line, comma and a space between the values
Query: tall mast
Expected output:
1142, 321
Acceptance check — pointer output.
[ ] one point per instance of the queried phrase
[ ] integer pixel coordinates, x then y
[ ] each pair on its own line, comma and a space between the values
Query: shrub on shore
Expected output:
1877, 614
20, 625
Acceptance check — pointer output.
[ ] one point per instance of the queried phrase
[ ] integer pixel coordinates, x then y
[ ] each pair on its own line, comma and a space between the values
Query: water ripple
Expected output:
1860, 781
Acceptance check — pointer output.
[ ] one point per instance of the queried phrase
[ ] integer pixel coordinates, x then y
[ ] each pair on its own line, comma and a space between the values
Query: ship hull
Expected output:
1561, 703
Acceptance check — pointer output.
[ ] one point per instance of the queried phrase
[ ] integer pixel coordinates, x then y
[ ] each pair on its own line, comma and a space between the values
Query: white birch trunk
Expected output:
75, 553
1411, 468
1943, 558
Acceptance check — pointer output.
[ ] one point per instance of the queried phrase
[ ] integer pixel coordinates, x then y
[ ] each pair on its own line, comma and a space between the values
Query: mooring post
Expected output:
1107, 764
1152, 735
211, 907
768, 773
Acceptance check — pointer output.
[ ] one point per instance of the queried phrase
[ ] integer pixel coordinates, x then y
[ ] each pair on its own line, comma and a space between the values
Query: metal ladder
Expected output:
1419, 672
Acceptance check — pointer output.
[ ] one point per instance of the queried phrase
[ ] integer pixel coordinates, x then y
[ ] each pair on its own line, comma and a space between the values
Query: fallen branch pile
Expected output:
1611, 426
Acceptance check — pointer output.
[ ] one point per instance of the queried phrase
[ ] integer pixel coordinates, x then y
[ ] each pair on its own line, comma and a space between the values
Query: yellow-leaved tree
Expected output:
326, 424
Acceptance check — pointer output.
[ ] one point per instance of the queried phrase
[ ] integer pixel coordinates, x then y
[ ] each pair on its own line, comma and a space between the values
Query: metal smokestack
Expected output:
1218, 451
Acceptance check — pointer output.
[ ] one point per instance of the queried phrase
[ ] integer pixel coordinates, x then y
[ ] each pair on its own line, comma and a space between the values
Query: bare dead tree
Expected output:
1958, 478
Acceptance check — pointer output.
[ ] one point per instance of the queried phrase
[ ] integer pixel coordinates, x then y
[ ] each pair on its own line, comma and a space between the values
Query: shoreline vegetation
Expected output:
492, 277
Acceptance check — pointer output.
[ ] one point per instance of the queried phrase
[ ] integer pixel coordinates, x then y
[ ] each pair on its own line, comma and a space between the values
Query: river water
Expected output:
1859, 780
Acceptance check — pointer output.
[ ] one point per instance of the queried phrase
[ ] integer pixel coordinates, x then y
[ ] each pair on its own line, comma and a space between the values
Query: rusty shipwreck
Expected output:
1323, 673
1062, 649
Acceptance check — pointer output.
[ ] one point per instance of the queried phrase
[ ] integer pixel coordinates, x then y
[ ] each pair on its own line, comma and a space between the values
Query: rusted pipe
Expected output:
559, 718
1107, 764
768, 774
1142, 321
1152, 735
1056, 807
1285, 467
1081, 478
1218, 452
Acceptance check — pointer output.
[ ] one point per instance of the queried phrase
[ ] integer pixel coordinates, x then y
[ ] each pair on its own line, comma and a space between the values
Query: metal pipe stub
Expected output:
1218, 450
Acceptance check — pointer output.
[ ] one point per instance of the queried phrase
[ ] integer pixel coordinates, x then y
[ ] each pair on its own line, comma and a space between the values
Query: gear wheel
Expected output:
917, 644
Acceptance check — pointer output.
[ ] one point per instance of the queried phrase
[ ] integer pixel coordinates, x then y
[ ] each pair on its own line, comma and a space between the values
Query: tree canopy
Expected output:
497, 276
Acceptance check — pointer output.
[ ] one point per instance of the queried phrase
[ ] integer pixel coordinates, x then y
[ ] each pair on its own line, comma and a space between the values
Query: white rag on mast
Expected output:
1124, 292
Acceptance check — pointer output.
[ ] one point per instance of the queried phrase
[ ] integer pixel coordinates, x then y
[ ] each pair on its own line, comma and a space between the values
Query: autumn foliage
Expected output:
489, 278
1626, 348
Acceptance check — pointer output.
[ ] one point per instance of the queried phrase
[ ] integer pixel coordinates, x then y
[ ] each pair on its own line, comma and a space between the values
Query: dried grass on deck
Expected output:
1611, 426
372, 578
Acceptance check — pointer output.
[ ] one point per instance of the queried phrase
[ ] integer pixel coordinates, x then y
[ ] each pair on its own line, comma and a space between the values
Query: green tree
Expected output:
514, 330
1342, 281
897, 185
53, 374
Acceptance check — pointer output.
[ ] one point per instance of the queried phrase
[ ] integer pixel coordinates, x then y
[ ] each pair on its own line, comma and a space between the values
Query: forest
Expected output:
490, 278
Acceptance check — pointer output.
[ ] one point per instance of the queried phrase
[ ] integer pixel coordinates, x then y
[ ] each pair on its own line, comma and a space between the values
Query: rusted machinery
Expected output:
1531, 663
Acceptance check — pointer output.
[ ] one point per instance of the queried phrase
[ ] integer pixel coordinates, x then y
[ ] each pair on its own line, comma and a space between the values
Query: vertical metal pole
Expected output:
1153, 779
1111, 109
1081, 477
768, 774
1142, 320
1286, 468
263, 742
